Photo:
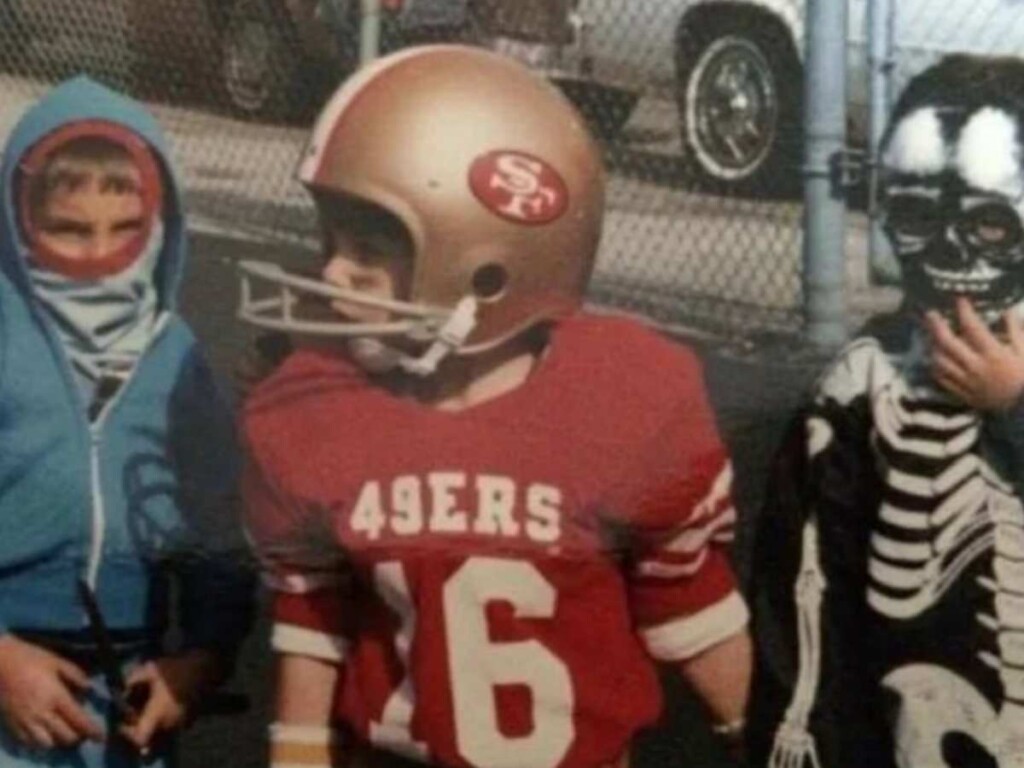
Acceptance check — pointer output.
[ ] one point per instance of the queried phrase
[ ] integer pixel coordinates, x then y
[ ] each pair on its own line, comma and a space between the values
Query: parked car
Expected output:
277, 59
261, 59
735, 69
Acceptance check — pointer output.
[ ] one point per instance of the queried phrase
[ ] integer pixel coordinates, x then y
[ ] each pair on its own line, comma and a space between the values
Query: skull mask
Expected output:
954, 200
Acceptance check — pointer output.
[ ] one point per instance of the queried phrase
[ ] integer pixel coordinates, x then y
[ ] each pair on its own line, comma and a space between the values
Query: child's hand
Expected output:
984, 371
37, 697
173, 683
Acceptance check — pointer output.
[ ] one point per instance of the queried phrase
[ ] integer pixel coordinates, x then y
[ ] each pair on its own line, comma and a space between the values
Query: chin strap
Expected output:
450, 337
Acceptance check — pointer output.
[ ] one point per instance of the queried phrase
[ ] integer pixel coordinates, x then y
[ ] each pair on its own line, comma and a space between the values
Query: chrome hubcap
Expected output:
736, 105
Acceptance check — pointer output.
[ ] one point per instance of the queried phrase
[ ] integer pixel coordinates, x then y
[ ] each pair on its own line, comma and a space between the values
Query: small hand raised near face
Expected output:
983, 369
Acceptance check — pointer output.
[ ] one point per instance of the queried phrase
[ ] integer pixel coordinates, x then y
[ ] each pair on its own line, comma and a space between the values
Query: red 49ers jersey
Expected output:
494, 582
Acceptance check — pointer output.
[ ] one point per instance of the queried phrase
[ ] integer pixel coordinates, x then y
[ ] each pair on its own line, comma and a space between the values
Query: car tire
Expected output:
262, 69
739, 93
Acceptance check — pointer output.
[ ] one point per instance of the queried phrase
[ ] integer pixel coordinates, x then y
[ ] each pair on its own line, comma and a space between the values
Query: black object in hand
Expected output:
128, 703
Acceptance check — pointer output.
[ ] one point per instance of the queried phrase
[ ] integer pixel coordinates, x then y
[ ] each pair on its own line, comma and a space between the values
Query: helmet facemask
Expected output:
362, 294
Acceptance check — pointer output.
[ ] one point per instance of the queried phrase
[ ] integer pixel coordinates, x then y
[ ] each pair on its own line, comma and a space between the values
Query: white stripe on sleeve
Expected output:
684, 638
299, 641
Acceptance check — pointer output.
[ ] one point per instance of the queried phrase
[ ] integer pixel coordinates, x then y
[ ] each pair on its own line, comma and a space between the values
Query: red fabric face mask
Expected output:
91, 230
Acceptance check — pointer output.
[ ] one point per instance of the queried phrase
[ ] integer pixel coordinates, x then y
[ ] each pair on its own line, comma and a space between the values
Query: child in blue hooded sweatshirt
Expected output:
117, 453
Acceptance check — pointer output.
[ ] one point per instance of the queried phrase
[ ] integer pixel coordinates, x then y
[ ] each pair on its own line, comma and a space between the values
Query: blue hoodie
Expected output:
142, 494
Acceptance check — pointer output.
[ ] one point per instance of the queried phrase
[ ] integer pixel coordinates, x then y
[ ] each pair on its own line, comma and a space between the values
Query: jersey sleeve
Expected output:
679, 522
302, 570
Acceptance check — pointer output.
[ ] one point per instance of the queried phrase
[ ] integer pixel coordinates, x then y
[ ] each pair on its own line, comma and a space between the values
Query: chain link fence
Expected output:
709, 244
696, 102
922, 35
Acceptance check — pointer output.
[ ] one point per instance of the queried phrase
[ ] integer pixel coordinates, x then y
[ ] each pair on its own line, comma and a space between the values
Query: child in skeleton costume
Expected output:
890, 558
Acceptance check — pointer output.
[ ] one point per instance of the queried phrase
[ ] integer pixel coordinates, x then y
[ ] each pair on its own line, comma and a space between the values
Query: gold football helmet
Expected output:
493, 174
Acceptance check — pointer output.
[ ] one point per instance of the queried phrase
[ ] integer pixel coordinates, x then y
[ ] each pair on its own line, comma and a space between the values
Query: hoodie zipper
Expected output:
99, 519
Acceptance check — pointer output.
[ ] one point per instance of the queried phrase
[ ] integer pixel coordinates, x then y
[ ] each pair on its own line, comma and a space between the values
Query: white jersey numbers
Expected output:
479, 665
392, 730
368, 514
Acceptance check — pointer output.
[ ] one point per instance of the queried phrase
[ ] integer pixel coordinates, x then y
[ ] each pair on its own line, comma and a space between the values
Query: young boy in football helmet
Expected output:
119, 457
897, 505
484, 511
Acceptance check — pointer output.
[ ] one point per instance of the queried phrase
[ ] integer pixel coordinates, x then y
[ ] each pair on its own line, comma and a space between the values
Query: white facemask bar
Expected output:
447, 329
276, 312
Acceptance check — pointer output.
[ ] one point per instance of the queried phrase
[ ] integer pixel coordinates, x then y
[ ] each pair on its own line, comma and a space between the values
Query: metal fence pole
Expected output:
824, 166
369, 31
881, 20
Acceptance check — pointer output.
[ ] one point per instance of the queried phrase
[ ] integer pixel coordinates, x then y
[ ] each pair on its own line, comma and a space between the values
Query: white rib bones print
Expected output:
933, 521
943, 507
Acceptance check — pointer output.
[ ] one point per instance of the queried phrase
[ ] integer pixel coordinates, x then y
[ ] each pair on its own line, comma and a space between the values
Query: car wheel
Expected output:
739, 95
261, 63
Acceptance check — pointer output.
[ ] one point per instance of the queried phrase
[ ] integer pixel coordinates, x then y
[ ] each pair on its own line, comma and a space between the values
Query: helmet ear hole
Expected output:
490, 282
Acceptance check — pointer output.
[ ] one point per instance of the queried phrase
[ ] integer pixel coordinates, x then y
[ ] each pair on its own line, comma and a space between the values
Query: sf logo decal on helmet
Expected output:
518, 187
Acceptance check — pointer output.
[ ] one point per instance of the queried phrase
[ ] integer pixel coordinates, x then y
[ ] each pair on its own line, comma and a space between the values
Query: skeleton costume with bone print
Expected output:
895, 508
